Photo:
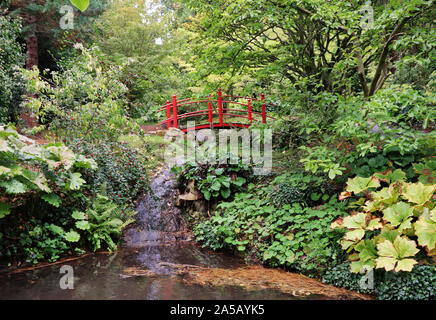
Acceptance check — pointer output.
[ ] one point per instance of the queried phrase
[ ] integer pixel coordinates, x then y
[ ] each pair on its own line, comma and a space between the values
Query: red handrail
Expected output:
211, 112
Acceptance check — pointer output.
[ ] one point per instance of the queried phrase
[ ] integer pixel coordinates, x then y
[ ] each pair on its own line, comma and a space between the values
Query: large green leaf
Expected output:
83, 162
359, 184
56, 229
225, 192
57, 155
13, 186
206, 194
396, 175
426, 230
4, 170
396, 255
359, 265
399, 215
53, 199
78, 215
418, 193
358, 224
72, 236
82, 225
239, 181
4, 146
367, 255
216, 185
37, 178
82, 5
384, 196
75, 181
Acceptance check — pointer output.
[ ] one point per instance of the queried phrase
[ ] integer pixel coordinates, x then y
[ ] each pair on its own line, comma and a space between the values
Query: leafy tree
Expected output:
139, 34
317, 44
42, 31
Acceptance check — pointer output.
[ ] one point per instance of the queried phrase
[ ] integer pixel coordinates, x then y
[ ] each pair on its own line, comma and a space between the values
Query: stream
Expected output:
158, 260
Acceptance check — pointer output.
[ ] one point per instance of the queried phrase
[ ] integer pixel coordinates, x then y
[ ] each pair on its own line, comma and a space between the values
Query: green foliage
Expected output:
39, 236
394, 120
271, 41
82, 5
84, 100
301, 188
120, 169
287, 134
148, 48
214, 181
321, 159
11, 60
419, 284
37, 183
290, 236
88, 104
44, 242
26, 167
391, 130
368, 165
102, 223
395, 223
426, 170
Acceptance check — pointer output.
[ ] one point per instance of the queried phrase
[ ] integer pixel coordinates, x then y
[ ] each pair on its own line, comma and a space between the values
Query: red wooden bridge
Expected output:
252, 110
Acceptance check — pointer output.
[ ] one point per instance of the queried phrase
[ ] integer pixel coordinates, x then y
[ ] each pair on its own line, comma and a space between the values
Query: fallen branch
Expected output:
19, 270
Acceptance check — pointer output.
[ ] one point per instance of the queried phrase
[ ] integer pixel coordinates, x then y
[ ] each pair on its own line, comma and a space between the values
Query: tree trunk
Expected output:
31, 44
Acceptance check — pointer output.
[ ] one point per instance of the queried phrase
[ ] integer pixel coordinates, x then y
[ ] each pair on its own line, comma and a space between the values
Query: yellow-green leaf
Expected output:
426, 230
82, 5
418, 193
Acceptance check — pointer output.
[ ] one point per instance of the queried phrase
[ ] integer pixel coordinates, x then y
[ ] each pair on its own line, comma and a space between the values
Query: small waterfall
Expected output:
157, 220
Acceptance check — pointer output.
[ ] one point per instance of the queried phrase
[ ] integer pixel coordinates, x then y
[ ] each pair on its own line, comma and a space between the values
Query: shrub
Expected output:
120, 170
290, 236
299, 187
287, 134
82, 101
27, 168
419, 284
214, 180
103, 222
38, 185
44, 242
11, 60
91, 114
395, 225
391, 130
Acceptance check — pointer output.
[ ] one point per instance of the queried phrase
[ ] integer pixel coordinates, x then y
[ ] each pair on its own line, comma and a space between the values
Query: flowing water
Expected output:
146, 266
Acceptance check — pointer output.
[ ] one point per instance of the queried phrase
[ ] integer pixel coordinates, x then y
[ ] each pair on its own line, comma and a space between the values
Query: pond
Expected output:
156, 261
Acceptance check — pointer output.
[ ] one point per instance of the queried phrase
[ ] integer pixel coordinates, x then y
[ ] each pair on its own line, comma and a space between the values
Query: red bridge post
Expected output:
174, 111
220, 106
263, 109
168, 114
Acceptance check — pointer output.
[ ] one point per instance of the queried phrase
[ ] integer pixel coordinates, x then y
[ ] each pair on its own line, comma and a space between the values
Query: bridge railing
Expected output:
245, 111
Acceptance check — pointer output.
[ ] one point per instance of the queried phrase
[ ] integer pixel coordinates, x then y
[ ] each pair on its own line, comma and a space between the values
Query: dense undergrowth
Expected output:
77, 193
361, 189
351, 195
